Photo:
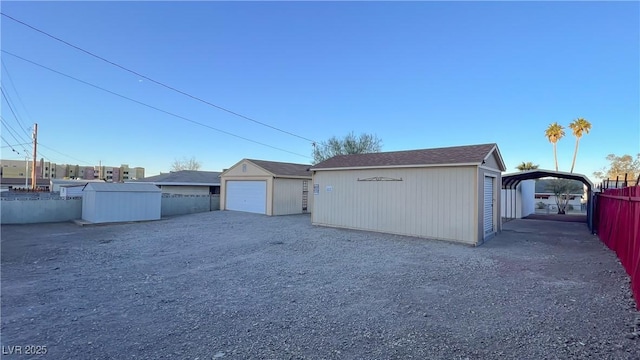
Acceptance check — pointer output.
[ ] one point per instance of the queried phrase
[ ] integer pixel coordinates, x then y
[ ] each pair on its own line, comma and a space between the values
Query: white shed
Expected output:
117, 202
446, 193
68, 191
266, 187
57, 184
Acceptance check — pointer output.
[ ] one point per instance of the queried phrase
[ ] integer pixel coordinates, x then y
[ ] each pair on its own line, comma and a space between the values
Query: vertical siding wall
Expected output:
287, 196
435, 203
519, 202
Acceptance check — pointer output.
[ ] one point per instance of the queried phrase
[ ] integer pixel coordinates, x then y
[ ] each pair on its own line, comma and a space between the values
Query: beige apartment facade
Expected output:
49, 170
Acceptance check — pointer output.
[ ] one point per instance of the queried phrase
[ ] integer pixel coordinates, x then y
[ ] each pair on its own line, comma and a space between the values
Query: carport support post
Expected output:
590, 200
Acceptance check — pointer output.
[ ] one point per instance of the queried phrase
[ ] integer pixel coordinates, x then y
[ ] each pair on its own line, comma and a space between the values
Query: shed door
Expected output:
248, 196
488, 205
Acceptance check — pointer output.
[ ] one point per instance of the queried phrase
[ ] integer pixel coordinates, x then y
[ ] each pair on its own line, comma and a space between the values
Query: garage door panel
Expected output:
248, 196
488, 205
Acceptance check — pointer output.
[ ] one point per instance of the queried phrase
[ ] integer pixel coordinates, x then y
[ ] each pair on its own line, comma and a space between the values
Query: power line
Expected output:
9, 146
13, 112
12, 132
18, 95
8, 100
156, 81
63, 154
153, 107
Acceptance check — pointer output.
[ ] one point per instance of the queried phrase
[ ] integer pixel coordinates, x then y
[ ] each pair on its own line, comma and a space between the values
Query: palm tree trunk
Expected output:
575, 153
555, 155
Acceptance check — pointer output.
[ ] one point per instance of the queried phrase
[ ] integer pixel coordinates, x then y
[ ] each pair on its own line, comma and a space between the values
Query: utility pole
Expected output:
35, 156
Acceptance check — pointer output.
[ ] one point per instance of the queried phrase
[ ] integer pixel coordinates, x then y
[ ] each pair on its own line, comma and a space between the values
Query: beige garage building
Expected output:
446, 193
266, 187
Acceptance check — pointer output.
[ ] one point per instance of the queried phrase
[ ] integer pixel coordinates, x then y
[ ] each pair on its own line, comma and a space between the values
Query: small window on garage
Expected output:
244, 167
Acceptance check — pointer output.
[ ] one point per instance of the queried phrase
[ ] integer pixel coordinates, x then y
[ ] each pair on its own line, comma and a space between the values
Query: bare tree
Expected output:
562, 189
350, 144
186, 164
619, 166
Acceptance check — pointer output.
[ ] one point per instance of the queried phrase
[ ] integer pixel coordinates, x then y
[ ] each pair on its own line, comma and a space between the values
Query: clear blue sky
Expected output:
417, 74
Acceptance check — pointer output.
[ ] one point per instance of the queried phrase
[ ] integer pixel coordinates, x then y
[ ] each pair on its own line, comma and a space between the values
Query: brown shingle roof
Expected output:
283, 169
440, 156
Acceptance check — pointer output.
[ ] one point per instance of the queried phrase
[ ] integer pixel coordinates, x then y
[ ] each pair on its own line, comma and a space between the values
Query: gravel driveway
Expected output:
234, 285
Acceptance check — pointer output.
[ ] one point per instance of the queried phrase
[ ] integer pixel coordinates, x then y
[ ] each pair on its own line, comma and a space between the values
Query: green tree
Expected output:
554, 133
186, 164
579, 127
350, 144
619, 166
524, 166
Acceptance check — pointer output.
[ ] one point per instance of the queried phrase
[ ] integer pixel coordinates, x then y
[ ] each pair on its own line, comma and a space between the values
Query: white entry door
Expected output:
488, 205
248, 196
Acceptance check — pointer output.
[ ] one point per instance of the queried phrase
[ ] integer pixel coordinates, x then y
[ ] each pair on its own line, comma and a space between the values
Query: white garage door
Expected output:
249, 196
488, 205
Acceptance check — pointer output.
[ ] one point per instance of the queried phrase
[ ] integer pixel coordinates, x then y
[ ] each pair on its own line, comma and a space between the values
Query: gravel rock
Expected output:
228, 285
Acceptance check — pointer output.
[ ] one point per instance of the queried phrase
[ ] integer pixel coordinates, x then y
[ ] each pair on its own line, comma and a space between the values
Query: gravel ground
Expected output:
235, 285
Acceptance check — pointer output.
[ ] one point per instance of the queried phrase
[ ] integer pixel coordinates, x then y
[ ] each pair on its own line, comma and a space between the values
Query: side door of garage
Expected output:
247, 196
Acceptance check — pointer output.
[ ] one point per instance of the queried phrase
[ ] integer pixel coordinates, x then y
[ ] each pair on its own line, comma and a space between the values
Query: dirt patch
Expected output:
236, 285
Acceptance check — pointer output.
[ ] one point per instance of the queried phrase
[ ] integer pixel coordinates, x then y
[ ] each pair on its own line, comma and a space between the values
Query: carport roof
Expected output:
456, 155
510, 181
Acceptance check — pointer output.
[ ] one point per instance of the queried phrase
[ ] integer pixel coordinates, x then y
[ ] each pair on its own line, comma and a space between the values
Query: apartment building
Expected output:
49, 170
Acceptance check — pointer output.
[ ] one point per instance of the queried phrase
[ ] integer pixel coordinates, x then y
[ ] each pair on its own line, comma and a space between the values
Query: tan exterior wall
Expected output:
492, 161
15, 169
287, 196
185, 190
246, 168
246, 172
437, 202
284, 196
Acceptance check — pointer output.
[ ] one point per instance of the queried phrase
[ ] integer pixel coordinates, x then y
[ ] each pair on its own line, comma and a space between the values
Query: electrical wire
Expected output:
12, 132
63, 154
22, 125
153, 107
13, 112
156, 81
9, 146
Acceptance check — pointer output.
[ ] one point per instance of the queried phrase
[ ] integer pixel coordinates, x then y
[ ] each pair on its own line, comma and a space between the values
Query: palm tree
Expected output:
579, 127
524, 166
554, 133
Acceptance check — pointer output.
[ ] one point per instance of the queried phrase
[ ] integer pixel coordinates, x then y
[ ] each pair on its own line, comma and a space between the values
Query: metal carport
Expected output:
511, 181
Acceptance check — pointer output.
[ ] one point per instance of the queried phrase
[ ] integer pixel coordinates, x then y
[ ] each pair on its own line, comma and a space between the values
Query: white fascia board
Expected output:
489, 169
293, 177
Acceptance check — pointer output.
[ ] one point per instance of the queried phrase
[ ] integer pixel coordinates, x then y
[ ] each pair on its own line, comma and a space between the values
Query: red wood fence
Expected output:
618, 226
